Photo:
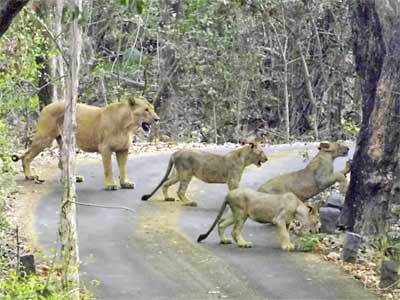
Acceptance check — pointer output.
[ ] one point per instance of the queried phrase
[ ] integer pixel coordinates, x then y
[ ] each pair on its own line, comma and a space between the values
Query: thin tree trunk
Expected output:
286, 96
335, 104
52, 61
8, 11
283, 53
46, 87
46, 63
375, 175
103, 90
68, 230
53, 74
215, 122
59, 61
314, 121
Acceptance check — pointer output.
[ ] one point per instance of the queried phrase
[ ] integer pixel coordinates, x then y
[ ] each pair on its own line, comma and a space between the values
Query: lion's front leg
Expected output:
109, 182
122, 159
233, 183
347, 167
280, 221
341, 179
283, 235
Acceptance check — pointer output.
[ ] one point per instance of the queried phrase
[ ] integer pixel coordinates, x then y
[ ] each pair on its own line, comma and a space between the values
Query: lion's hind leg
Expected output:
170, 181
239, 218
122, 159
224, 223
109, 182
39, 143
183, 186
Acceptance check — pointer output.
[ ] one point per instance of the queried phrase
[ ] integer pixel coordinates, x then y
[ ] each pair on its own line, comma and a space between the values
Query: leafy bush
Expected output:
387, 248
30, 287
351, 128
7, 183
308, 242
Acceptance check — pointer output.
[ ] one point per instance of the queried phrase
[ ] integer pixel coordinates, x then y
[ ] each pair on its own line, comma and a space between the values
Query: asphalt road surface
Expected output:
153, 253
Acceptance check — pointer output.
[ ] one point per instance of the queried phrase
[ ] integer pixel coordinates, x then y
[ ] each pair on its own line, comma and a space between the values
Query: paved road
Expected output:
153, 254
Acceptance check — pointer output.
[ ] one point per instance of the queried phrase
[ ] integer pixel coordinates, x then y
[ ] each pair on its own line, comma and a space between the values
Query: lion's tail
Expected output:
221, 211
15, 157
169, 168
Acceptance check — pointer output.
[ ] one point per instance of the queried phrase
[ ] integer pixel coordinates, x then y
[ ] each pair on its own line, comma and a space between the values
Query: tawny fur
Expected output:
104, 130
318, 175
278, 209
208, 167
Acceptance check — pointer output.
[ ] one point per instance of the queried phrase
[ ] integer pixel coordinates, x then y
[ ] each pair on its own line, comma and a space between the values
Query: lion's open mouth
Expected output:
259, 163
146, 127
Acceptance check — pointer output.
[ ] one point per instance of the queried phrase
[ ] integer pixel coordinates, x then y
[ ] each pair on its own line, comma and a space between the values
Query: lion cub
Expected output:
208, 167
278, 209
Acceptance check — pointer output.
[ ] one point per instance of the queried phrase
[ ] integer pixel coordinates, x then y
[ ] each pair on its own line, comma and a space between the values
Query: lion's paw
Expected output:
288, 247
79, 179
225, 242
169, 199
245, 245
190, 203
35, 178
127, 185
111, 187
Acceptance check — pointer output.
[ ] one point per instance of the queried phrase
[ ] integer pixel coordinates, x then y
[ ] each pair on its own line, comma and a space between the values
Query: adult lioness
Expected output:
208, 167
104, 130
278, 209
315, 177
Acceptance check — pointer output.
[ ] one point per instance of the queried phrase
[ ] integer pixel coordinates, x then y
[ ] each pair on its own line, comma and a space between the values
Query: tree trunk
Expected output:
45, 77
313, 114
103, 91
68, 230
215, 121
8, 11
59, 61
335, 112
286, 96
375, 175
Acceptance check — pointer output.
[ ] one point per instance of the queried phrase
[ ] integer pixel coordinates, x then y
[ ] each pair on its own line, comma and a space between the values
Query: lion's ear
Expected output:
324, 146
311, 208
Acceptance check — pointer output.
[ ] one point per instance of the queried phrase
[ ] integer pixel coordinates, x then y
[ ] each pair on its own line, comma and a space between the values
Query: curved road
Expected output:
153, 254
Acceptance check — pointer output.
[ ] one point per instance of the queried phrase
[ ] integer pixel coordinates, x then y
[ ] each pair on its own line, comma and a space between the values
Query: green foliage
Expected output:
30, 287
351, 128
387, 248
7, 183
5, 149
309, 242
19, 70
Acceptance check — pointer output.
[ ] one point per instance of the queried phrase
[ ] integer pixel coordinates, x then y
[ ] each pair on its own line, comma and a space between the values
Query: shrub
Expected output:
308, 242
30, 287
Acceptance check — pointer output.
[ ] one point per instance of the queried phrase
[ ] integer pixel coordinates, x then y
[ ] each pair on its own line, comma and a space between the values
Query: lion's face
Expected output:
309, 218
335, 149
257, 155
144, 110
